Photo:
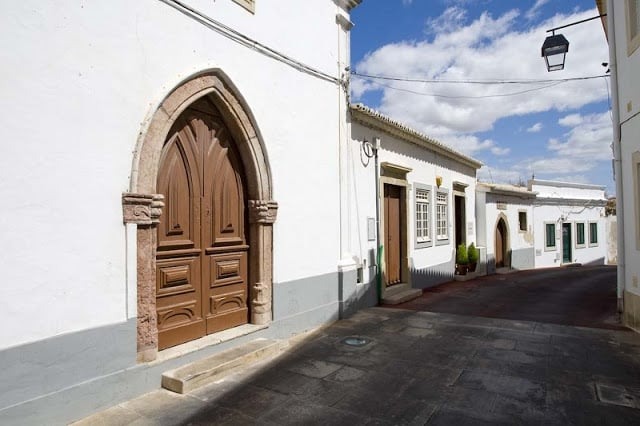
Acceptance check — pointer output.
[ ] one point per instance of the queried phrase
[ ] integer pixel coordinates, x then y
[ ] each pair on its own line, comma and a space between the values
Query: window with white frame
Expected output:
633, 25
593, 233
580, 235
423, 222
250, 5
550, 236
442, 216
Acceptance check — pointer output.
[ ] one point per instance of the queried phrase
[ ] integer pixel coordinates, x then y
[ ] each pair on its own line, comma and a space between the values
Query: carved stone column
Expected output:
262, 215
145, 210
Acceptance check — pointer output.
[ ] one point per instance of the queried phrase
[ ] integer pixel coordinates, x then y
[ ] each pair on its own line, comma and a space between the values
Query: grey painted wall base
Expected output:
433, 275
353, 296
523, 258
66, 378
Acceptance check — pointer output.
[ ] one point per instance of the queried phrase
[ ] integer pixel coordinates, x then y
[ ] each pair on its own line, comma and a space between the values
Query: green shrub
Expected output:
462, 258
472, 253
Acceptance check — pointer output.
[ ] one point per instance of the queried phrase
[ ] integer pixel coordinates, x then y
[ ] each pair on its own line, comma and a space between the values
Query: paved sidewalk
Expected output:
419, 368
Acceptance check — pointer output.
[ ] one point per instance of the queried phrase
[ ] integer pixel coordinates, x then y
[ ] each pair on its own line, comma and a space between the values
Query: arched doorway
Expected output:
501, 243
204, 263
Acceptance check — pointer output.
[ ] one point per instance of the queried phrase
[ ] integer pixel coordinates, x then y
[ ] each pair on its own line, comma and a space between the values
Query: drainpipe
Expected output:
376, 147
617, 154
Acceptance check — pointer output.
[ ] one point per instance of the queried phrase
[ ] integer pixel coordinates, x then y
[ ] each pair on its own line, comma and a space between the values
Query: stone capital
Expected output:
142, 209
262, 211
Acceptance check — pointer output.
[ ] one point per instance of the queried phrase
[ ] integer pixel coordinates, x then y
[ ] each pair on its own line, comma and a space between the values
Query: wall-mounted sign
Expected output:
371, 228
501, 205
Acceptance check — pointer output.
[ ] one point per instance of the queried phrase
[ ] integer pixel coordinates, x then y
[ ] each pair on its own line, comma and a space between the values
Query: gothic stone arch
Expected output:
143, 207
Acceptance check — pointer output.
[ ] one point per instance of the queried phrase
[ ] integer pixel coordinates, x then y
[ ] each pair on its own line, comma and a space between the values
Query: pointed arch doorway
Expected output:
202, 248
200, 195
501, 243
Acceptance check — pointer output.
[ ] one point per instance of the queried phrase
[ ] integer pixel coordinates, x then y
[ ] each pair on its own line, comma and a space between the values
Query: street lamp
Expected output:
556, 46
554, 51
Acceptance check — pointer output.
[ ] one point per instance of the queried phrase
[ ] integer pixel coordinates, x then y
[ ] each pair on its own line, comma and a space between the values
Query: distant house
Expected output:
546, 224
568, 223
622, 28
505, 226
427, 204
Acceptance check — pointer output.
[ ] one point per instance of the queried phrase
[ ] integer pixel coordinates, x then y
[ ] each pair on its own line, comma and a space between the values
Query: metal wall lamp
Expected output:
555, 47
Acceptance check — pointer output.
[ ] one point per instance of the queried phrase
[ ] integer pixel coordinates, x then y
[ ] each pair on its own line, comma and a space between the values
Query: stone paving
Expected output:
419, 368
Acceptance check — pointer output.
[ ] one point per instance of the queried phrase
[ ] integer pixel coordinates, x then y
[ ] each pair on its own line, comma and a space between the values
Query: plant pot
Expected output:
472, 267
462, 269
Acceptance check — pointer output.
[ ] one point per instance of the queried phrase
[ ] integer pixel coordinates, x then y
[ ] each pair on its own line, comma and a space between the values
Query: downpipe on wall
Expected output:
376, 147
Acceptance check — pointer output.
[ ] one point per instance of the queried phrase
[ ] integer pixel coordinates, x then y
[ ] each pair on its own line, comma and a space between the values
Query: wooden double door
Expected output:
201, 258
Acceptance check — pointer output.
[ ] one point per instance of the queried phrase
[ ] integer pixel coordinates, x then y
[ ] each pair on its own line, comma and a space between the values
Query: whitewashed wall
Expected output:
510, 207
629, 106
425, 165
78, 79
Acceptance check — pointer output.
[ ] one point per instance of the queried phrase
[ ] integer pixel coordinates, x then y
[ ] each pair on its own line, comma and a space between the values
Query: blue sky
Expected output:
555, 130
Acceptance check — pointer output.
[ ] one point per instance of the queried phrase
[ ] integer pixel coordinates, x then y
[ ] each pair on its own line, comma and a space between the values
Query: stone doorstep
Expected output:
400, 293
202, 372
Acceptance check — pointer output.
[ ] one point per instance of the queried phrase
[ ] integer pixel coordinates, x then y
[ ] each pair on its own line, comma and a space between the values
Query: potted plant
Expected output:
462, 259
472, 254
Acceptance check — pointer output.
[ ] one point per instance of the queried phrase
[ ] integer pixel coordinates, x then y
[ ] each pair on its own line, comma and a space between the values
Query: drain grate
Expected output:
615, 395
356, 341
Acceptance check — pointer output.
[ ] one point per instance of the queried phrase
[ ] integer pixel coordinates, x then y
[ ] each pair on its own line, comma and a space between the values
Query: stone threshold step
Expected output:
400, 293
202, 372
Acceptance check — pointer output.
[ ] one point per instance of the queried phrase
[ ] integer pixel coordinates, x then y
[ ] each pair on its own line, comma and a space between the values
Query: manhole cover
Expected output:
616, 395
356, 341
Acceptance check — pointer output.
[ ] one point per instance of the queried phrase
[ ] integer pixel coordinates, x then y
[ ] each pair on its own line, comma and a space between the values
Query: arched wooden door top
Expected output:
237, 117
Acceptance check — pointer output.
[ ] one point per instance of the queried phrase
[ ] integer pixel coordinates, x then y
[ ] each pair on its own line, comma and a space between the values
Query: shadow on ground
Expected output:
581, 296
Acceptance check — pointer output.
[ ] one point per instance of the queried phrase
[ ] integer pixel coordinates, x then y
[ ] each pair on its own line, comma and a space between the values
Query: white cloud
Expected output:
535, 9
451, 20
496, 150
569, 159
407, 2
589, 138
487, 48
535, 128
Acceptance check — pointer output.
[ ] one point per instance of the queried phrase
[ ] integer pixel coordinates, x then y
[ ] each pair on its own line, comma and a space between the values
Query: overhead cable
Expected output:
488, 81
242, 39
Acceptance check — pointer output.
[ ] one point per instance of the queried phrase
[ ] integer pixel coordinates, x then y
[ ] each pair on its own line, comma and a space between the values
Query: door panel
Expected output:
392, 232
224, 234
201, 281
566, 243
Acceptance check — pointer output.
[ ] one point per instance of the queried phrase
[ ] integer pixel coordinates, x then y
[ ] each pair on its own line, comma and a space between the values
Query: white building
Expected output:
546, 224
622, 27
568, 223
505, 226
108, 107
427, 204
